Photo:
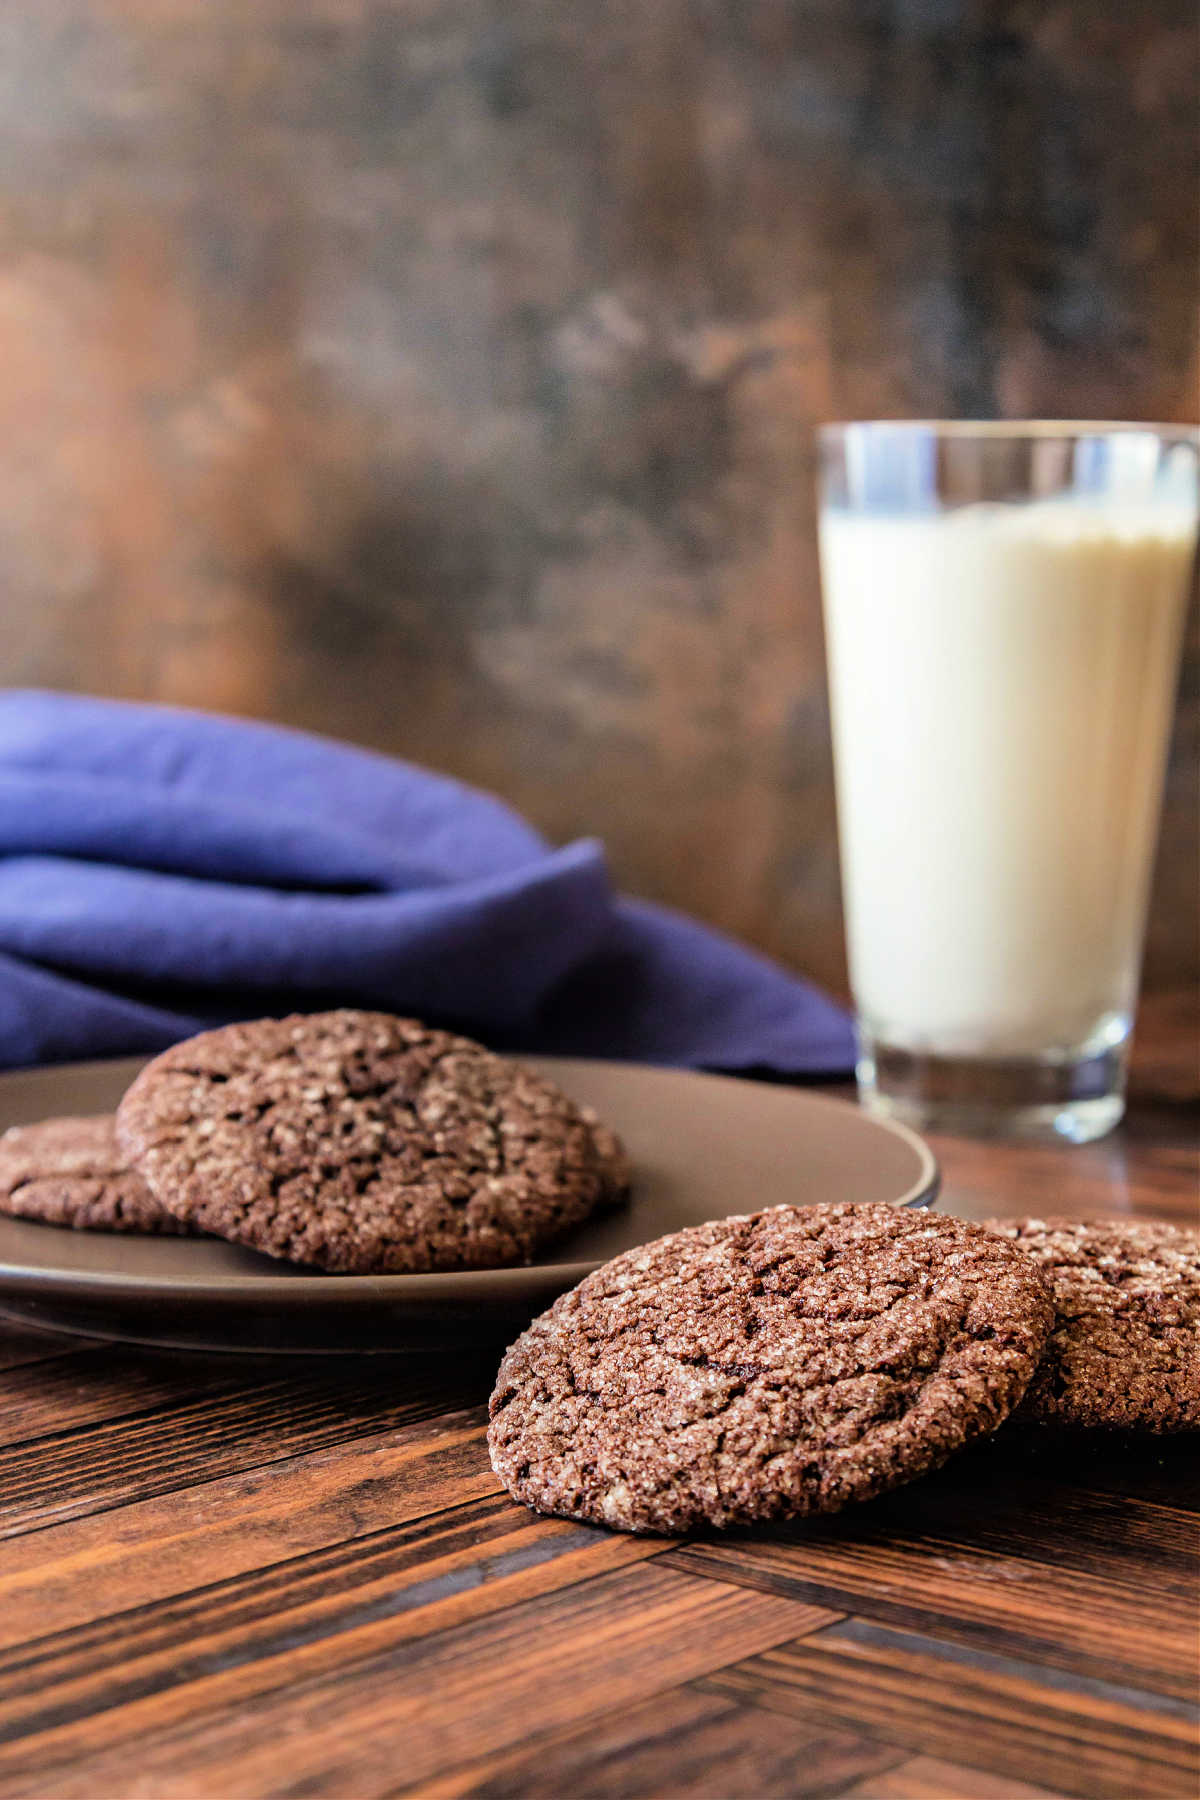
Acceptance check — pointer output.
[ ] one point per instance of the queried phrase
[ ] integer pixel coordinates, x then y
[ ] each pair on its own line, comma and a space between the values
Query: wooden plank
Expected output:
93, 1468
19, 1346
107, 1382
1016, 1720
1001, 1549
1015, 1496
1070, 1623
1152, 1471
426, 1575
685, 1742
1132, 1173
929, 1778
49, 1398
130, 1557
378, 1706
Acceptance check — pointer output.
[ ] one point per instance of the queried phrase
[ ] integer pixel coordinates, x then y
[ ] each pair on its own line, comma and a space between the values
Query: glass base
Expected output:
1077, 1095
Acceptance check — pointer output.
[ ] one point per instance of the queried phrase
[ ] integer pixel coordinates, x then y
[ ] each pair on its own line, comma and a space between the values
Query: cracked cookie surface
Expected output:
1125, 1350
764, 1367
70, 1172
363, 1143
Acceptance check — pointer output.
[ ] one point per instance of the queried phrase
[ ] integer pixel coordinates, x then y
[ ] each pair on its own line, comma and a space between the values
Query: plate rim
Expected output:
305, 1290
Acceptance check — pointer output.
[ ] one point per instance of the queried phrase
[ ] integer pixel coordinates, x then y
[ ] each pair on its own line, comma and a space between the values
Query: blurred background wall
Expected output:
442, 373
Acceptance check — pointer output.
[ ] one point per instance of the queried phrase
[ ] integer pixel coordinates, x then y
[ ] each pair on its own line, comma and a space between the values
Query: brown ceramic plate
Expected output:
703, 1146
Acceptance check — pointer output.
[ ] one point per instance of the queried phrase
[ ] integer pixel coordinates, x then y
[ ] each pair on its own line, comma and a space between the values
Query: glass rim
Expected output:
1015, 429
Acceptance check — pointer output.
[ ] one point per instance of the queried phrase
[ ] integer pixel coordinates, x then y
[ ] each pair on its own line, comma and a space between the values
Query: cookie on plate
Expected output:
364, 1143
1125, 1350
764, 1367
70, 1172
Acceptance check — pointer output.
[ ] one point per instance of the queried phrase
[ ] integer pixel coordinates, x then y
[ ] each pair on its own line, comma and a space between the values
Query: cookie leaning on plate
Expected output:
1125, 1351
365, 1143
70, 1172
764, 1367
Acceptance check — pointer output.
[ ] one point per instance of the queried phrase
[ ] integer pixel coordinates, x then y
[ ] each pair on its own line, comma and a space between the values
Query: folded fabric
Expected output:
163, 870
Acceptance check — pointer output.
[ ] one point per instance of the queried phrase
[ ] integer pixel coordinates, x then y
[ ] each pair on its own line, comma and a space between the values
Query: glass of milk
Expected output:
1004, 606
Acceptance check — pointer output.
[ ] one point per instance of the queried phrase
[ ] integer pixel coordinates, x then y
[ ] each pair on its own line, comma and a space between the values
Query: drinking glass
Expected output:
1003, 613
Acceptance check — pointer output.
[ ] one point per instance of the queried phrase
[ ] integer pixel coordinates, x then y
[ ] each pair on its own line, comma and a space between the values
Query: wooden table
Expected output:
233, 1578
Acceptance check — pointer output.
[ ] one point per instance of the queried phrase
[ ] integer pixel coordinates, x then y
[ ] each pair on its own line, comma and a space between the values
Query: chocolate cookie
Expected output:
70, 1172
365, 1143
764, 1367
1125, 1350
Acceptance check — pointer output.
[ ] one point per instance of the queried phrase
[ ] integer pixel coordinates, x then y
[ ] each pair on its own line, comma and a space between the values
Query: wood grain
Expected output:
392, 1708
1082, 1736
261, 1577
230, 1428
688, 1742
1001, 1551
19, 1347
1101, 1180
58, 1395
929, 1778
130, 1556
336, 1606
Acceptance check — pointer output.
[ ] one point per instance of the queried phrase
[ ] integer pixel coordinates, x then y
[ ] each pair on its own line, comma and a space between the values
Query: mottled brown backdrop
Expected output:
442, 373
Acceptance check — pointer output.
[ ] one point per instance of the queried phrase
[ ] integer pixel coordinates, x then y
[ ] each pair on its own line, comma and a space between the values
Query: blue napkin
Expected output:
163, 870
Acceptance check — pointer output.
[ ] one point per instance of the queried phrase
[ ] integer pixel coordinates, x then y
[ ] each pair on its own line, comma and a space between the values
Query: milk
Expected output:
1001, 680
